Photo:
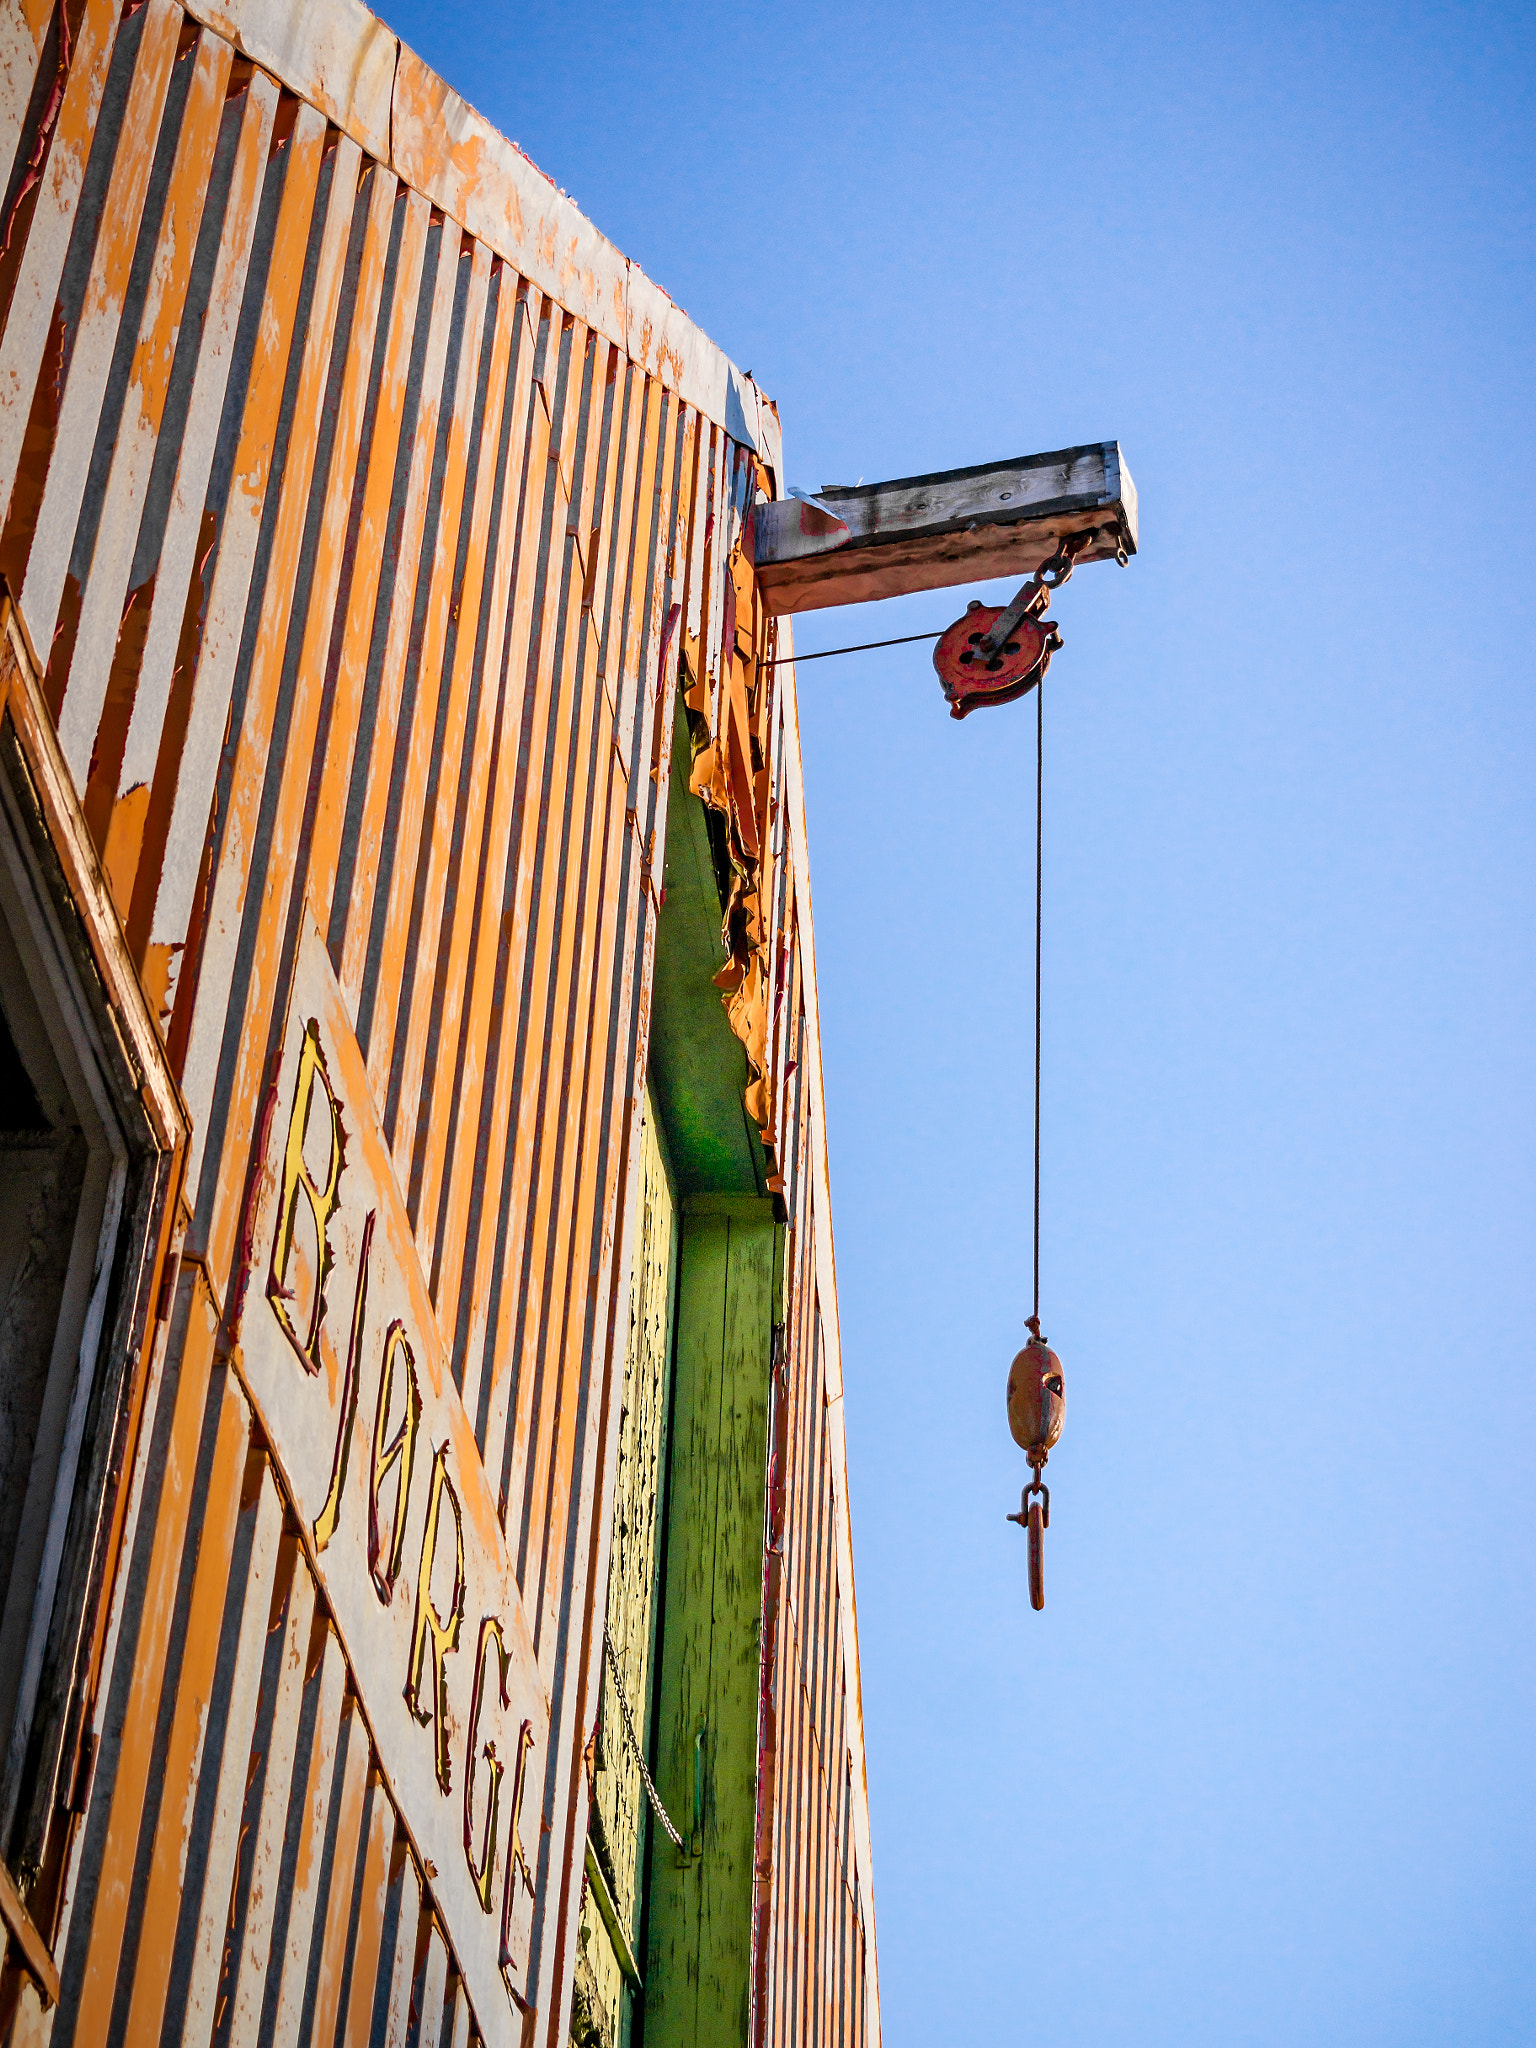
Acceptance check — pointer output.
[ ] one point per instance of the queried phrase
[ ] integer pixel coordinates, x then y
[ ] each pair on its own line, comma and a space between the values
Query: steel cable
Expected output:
1039, 899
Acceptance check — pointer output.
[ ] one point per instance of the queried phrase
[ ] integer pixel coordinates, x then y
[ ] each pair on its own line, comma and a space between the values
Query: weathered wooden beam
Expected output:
848, 545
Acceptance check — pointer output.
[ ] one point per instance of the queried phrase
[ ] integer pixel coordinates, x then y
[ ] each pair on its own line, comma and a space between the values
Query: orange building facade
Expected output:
421, 1393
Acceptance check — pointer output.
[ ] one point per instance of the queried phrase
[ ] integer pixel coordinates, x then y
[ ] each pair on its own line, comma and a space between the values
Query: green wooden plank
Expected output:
699, 1945
607, 1977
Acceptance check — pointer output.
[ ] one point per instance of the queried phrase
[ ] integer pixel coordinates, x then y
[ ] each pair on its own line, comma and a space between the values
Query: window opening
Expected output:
82, 1186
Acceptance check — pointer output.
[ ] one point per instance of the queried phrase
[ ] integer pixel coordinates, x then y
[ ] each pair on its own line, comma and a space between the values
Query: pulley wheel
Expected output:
971, 677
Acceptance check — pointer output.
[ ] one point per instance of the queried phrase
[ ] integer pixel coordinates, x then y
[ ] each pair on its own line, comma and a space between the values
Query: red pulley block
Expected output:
973, 674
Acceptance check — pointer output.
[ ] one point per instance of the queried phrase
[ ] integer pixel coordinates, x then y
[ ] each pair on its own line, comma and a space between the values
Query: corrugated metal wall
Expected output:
814, 1959
361, 503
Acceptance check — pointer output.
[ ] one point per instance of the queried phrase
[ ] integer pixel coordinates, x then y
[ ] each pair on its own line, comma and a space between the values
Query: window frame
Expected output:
56, 886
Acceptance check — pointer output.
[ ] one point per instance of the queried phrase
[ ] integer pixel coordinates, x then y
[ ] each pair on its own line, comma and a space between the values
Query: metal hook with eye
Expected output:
1034, 1517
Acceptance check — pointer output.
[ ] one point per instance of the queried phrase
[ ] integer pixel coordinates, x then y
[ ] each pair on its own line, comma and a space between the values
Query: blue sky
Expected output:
1264, 1771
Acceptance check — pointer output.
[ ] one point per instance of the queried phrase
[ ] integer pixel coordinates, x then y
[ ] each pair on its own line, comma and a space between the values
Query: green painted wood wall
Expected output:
699, 1929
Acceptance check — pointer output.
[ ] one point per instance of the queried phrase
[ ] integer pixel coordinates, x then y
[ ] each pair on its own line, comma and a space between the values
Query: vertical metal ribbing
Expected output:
259, 391
431, 1993
357, 1991
612, 1042
297, 1923
528, 909
173, 1477
448, 821
29, 58
238, 971
112, 237
117, 654
563, 1493
256, 1590
40, 291
179, 525
484, 1283
576, 1098
552, 1915
246, 960
128, 424
454, 1143
186, 1895
141, 1572
468, 1217
563, 1598
284, 1732
329, 426
415, 907
458, 2015
390, 969
350, 664
336, 1903
556, 1222
606, 1189
399, 542
464, 810
553, 1097
189, 1676
391, 2015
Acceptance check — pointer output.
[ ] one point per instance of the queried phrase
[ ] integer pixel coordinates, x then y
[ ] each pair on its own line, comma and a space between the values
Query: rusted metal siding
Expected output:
361, 502
814, 1966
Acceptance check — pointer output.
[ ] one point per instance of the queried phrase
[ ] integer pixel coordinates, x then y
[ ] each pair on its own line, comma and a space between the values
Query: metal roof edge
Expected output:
333, 53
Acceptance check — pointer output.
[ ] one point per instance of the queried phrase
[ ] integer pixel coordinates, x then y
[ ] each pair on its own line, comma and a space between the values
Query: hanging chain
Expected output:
634, 1741
1033, 596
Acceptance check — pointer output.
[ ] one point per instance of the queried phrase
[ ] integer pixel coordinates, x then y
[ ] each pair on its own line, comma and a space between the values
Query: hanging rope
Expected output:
1039, 900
